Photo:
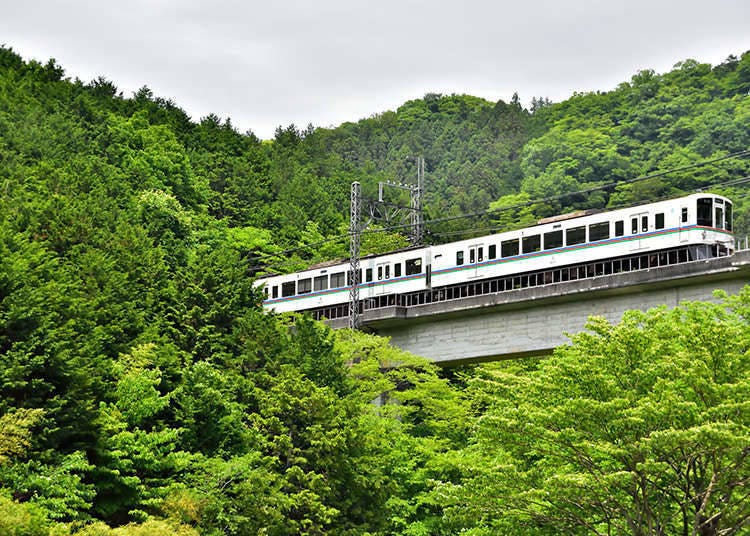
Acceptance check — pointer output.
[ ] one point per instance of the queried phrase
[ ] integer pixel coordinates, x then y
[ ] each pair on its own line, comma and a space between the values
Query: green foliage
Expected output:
143, 389
654, 122
58, 488
640, 427
15, 432
149, 528
21, 519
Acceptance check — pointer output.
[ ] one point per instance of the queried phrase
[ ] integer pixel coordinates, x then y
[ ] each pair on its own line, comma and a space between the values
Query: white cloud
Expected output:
266, 64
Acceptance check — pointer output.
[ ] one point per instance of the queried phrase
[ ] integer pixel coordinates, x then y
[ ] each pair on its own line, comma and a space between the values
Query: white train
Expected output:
568, 240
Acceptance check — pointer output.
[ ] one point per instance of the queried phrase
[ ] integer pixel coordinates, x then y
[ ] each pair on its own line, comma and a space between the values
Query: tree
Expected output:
636, 428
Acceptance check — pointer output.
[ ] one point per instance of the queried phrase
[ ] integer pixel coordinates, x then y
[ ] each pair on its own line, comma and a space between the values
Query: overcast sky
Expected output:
275, 62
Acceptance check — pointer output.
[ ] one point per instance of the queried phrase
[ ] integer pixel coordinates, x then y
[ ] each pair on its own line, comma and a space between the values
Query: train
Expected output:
702, 222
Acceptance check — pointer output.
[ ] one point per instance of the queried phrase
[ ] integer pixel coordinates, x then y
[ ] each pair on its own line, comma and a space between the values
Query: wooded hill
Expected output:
143, 387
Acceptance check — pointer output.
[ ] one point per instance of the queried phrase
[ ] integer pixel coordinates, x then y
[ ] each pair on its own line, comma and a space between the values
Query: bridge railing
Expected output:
742, 243
630, 263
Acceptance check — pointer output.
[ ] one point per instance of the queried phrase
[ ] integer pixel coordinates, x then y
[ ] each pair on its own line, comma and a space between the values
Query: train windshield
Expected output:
704, 212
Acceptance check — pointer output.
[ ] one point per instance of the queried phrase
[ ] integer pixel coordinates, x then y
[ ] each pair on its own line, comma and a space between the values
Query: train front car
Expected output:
700, 225
707, 224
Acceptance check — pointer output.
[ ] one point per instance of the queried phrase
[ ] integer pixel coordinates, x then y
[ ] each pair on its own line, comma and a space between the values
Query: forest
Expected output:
145, 391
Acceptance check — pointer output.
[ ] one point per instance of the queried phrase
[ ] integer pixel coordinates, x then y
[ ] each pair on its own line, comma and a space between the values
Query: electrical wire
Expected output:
614, 184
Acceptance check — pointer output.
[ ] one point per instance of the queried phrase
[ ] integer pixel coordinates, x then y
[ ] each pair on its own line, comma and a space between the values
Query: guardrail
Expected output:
742, 244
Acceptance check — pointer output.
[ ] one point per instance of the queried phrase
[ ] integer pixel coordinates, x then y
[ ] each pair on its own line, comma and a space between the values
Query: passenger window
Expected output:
509, 248
598, 231
397, 270
480, 254
553, 239
684, 214
492, 251
644, 223
619, 228
459, 258
413, 266
320, 282
349, 277
304, 286
337, 280
387, 271
634, 226
719, 217
368, 275
659, 221
472, 258
287, 289
380, 273
275, 292
575, 235
532, 243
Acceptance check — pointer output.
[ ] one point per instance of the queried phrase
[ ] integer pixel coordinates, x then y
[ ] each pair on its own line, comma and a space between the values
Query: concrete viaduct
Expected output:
534, 320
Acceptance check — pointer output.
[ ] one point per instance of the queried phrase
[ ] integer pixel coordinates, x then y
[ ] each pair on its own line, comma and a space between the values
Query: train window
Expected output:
275, 291
719, 216
704, 212
397, 270
303, 286
575, 235
265, 291
413, 266
598, 231
287, 289
349, 277
387, 271
509, 248
634, 226
644, 223
368, 275
728, 217
459, 258
472, 256
337, 280
480, 254
532, 243
553, 239
320, 282
684, 214
380, 273
619, 228
492, 252
659, 221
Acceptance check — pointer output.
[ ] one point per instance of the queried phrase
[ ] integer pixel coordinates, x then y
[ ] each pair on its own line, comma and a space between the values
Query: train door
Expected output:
684, 223
476, 257
383, 274
638, 228
368, 278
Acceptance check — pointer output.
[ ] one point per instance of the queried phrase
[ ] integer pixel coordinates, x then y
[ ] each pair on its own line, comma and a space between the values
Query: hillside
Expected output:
143, 387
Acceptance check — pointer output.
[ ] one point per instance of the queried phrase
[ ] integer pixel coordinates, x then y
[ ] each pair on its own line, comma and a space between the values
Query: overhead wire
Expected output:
485, 230
557, 197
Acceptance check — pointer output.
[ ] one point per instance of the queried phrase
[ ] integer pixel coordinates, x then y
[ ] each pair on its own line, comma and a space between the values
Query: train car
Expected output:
693, 220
